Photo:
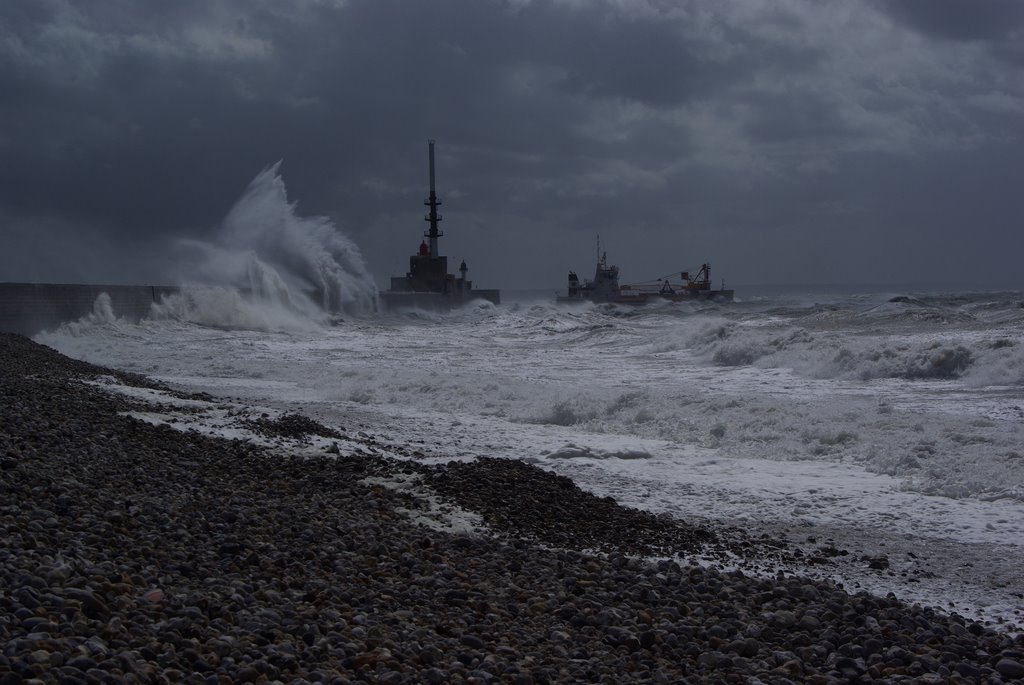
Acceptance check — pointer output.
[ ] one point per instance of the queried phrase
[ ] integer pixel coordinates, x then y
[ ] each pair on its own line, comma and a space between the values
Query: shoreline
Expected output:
141, 553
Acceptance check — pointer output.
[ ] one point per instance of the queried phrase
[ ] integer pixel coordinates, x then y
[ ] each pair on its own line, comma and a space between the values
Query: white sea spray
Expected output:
268, 267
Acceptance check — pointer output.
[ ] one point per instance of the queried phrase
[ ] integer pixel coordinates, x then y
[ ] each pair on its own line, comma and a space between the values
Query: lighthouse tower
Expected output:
428, 283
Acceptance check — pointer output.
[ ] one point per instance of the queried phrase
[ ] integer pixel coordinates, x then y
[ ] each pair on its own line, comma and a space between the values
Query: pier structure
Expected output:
427, 284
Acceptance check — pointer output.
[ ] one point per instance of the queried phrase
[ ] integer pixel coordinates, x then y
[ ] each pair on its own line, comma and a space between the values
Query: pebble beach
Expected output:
138, 553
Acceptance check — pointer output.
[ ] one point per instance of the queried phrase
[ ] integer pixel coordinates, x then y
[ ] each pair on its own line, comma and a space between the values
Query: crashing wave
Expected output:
272, 258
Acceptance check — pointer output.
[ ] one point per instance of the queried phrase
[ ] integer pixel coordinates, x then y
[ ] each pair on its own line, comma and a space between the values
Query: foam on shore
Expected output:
146, 554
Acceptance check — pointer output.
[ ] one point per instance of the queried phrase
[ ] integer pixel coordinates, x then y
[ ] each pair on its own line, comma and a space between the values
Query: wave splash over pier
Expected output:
267, 267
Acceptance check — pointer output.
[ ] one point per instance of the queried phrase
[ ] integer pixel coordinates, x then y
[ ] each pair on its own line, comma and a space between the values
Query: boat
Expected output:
606, 288
427, 284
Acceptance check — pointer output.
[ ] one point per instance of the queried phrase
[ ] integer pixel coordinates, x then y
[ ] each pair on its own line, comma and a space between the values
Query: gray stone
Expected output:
1010, 668
472, 641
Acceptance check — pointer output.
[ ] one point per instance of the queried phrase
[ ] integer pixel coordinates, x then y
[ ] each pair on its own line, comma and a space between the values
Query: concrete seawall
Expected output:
30, 308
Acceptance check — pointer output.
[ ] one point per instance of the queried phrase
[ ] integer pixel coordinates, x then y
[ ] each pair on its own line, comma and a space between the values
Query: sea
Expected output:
886, 424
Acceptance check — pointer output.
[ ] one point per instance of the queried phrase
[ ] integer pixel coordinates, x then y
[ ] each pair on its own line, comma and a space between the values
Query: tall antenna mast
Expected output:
433, 217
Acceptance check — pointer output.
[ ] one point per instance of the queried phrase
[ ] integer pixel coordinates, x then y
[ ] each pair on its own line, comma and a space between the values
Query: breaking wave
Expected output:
268, 266
233, 308
974, 357
573, 451
102, 316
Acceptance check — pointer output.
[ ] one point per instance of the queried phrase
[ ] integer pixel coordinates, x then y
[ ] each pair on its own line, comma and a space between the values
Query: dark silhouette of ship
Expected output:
606, 288
428, 285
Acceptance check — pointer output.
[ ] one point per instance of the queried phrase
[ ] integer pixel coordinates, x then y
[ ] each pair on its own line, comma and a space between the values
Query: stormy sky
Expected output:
784, 141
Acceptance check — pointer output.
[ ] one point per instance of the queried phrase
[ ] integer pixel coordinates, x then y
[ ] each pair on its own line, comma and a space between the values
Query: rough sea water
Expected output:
881, 435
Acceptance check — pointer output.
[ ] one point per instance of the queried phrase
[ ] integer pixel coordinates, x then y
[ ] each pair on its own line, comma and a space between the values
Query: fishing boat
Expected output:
676, 287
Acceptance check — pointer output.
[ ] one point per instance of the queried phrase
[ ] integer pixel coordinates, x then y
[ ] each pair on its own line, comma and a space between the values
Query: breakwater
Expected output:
30, 308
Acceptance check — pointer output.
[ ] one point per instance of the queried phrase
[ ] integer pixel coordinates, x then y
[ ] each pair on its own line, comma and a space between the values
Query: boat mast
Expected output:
433, 217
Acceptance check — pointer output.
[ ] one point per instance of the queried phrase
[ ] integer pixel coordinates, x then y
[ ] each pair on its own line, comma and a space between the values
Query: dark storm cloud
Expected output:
978, 20
778, 118
108, 125
785, 139
996, 24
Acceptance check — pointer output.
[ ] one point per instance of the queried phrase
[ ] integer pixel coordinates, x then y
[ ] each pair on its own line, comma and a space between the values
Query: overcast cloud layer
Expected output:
786, 141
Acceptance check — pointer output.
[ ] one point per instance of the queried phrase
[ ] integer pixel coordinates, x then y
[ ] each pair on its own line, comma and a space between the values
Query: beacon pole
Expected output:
433, 217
